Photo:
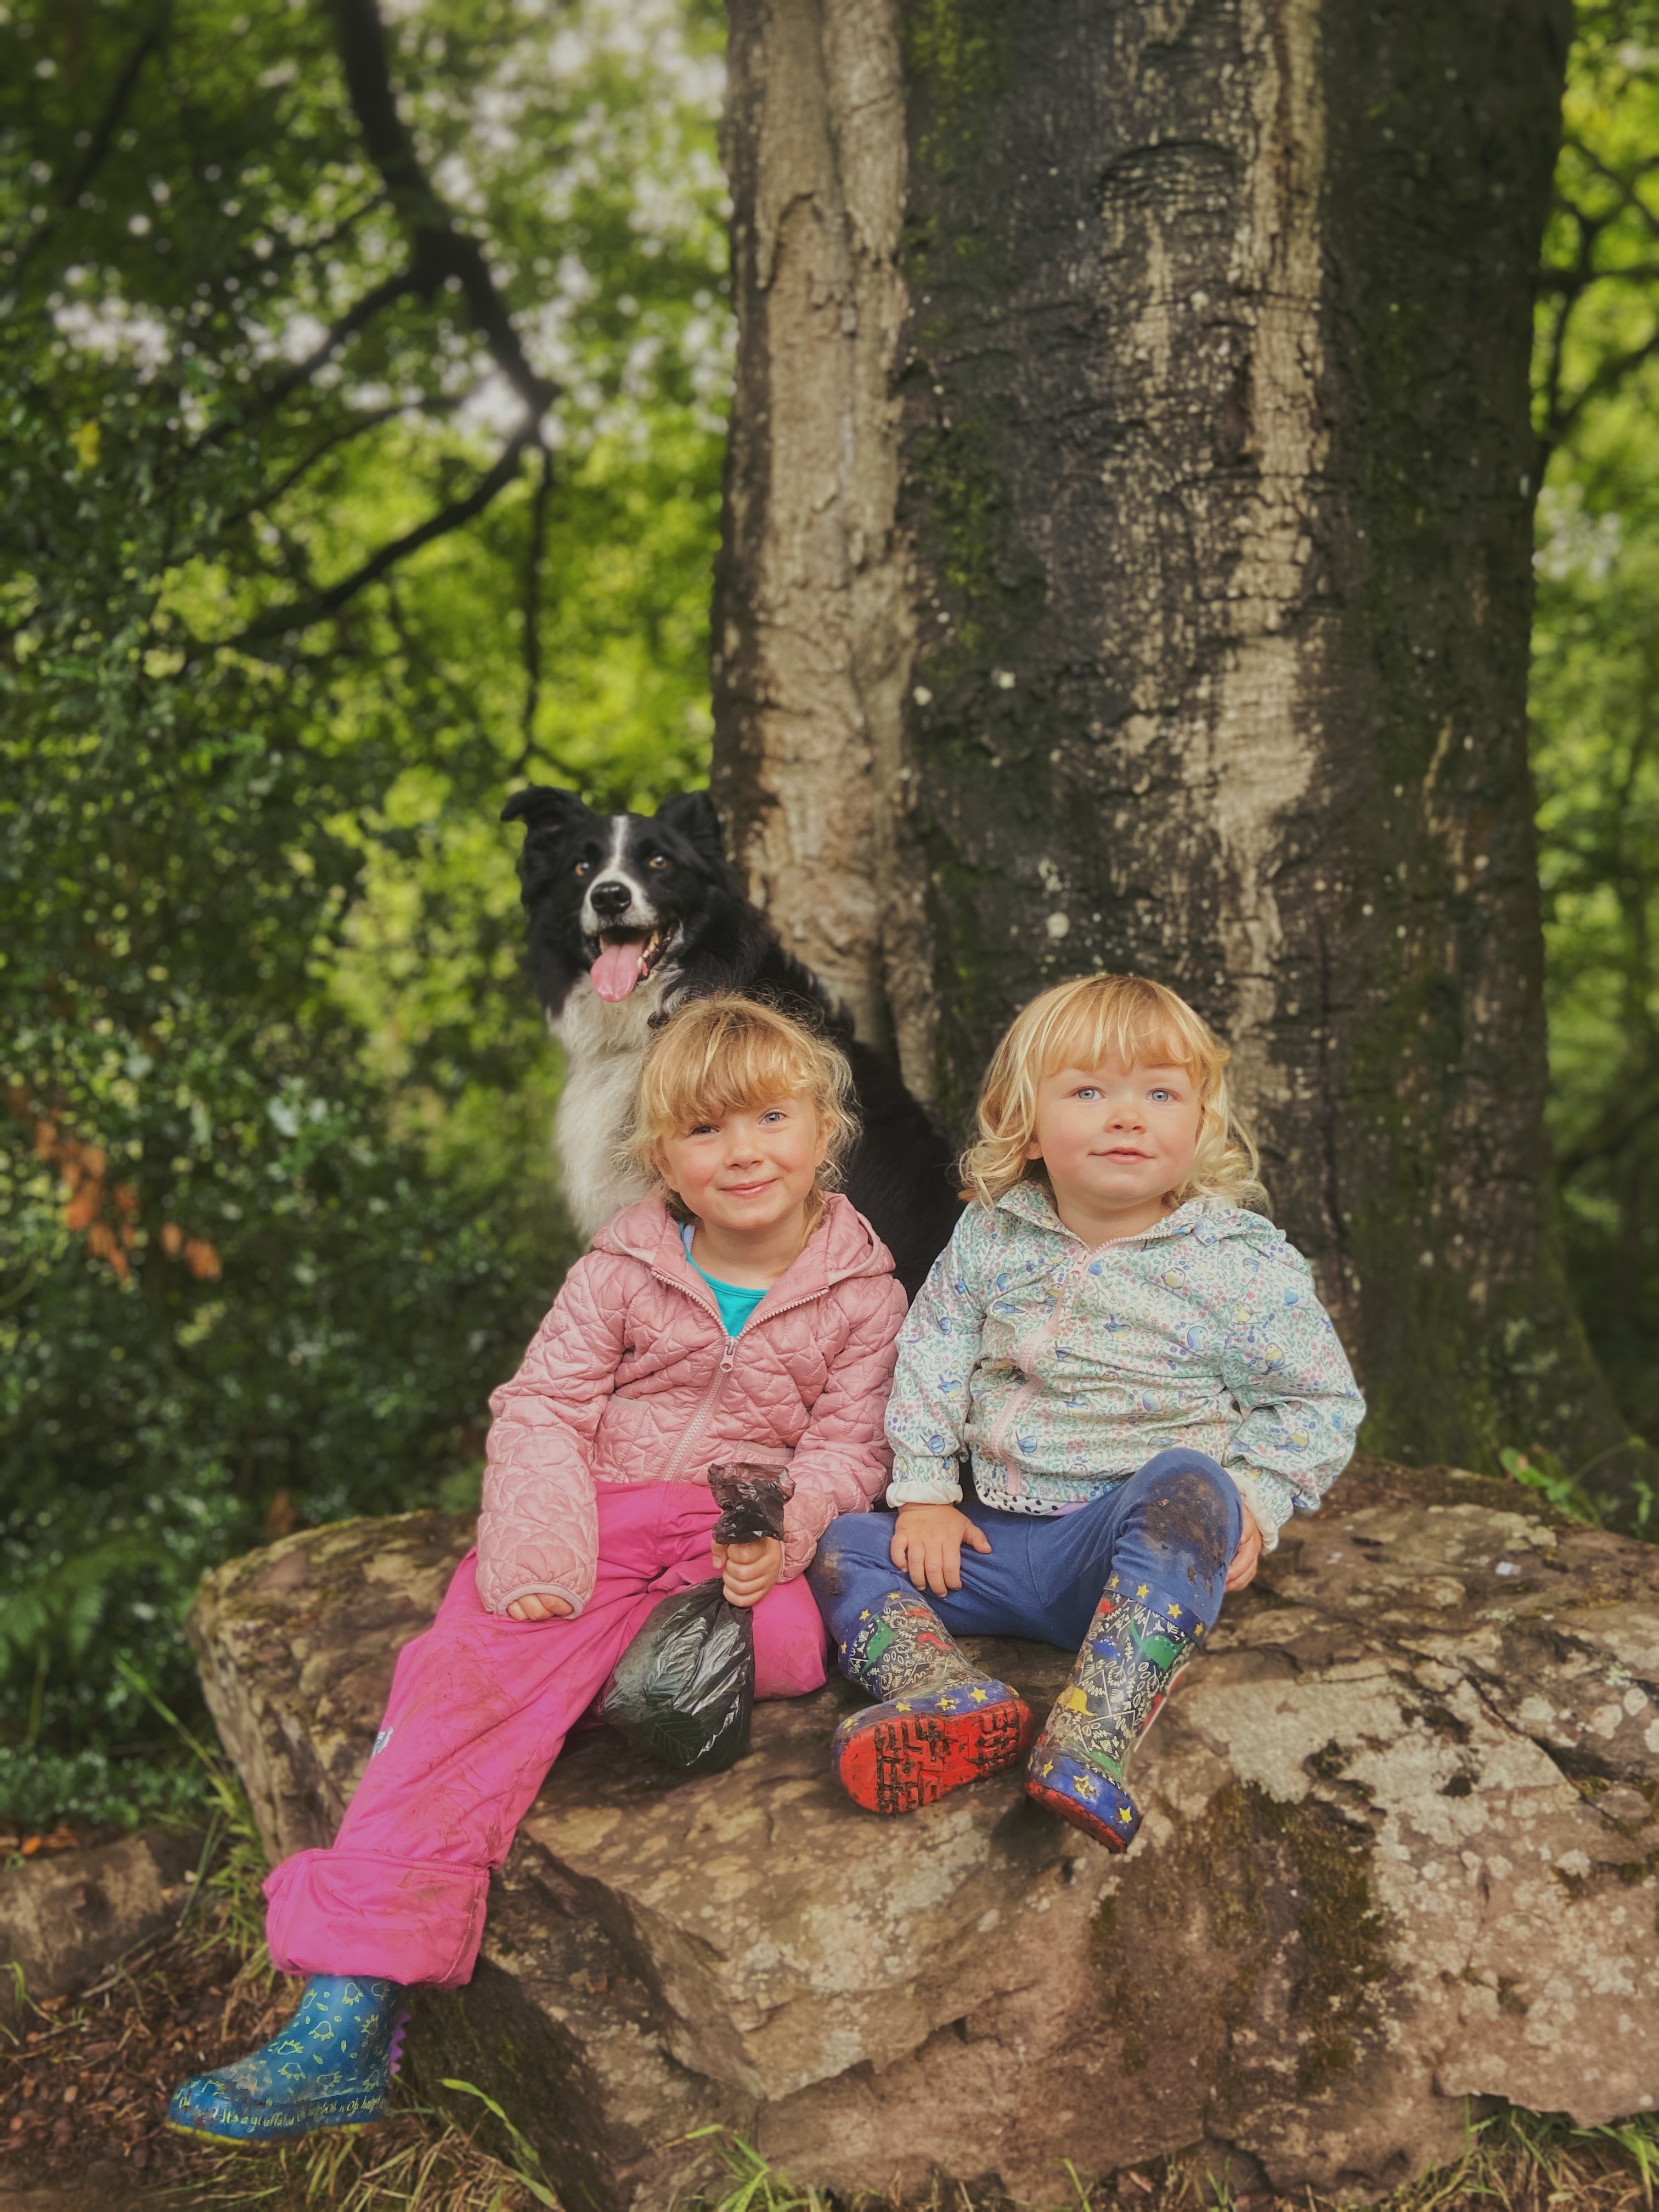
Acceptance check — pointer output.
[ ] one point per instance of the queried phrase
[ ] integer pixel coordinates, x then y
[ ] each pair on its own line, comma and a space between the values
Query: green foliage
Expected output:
1596, 685
755, 2184
529, 2170
353, 473
1540, 1470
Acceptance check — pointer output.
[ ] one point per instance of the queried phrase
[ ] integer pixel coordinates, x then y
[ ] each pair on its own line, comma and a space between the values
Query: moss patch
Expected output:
1290, 1951
958, 55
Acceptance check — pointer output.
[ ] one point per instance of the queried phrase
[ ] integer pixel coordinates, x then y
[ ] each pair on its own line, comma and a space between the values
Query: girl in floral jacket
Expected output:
1143, 1383
746, 1312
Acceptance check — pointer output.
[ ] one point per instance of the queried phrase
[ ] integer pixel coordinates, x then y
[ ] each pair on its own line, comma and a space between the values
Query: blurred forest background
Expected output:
352, 473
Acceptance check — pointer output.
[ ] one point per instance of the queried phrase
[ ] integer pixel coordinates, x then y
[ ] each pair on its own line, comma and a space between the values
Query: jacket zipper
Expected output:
993, 1441
704, 1414
700, 1417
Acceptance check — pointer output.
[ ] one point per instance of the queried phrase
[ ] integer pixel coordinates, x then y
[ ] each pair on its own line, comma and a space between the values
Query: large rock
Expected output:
65, 1919
1400, 1852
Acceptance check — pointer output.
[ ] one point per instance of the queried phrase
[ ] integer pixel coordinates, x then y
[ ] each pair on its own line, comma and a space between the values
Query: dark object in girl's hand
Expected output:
751, 1500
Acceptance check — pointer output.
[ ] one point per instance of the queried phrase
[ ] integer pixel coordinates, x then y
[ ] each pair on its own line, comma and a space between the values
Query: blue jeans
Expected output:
1174, 1525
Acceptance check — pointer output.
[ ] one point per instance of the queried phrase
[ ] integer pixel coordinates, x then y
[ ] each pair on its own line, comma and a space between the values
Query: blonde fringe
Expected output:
724, 1052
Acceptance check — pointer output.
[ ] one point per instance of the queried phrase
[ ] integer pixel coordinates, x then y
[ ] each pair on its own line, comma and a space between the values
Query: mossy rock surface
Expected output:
1400, 1852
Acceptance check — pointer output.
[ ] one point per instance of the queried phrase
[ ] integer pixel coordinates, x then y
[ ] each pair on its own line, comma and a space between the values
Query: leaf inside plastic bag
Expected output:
684, 1689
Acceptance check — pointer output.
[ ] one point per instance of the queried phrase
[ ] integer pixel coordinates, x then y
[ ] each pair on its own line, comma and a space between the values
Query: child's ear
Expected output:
1033, 1149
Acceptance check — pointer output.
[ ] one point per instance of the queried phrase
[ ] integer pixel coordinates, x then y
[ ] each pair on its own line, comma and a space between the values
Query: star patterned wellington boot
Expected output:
1138, 1643
940, 1720
330, 2067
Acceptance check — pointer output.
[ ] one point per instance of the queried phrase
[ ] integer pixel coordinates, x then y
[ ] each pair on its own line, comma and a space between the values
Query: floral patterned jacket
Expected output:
1059, 1369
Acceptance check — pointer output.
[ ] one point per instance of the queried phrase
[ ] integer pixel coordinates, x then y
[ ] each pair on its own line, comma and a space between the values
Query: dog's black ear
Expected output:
544, 807
690, 815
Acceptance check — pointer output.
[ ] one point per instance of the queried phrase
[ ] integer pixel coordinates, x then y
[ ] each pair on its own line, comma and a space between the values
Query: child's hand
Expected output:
539, 1608
747, 1571
927, 1545
1248, 1558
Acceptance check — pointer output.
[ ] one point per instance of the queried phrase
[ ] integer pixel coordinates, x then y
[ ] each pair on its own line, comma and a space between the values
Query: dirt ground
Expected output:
84, 2085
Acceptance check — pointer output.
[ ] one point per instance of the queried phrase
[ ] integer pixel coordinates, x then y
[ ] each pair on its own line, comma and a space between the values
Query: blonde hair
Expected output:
1086, 1023
728, 1051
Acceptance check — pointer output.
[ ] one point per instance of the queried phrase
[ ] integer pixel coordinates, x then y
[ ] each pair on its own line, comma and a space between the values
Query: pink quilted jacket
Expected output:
631, 1378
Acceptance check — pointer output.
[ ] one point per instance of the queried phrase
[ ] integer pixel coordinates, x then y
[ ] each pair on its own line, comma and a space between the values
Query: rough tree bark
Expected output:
1127, 563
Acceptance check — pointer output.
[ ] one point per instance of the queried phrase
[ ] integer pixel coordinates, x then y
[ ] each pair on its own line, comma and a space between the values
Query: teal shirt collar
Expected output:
735, 1300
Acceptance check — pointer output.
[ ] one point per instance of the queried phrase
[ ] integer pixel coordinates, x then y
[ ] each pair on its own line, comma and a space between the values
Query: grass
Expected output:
1524, 2160
1512, 2161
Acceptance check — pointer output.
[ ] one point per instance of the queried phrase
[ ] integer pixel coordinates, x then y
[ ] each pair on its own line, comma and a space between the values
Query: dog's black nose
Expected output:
610, 900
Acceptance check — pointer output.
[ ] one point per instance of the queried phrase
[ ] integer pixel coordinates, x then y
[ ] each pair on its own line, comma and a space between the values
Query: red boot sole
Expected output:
904, 1760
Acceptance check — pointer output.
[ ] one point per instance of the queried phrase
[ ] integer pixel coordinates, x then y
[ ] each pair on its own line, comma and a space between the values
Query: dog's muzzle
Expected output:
631, 938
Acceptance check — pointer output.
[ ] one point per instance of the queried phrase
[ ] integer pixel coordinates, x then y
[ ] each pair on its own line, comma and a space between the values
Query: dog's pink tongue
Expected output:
617, 970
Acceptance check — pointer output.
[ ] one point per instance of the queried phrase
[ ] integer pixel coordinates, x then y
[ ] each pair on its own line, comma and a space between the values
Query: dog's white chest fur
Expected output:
603, 1046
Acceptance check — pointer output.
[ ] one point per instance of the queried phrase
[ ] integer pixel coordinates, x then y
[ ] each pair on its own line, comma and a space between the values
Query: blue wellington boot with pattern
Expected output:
1137, 1642
940, 1721
330, 2067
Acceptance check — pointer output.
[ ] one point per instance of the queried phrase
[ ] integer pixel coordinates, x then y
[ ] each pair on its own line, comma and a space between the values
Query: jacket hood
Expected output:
842, 1245
1207, 1220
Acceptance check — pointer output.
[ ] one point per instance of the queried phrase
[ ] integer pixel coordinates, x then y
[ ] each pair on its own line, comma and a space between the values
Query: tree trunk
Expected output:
1127, 564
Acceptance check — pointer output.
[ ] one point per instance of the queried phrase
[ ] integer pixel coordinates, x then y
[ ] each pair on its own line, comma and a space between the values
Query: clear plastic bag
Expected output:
684, 1689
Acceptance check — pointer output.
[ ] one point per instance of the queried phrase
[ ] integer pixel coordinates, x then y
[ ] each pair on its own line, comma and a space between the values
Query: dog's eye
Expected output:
657, 861
583, 867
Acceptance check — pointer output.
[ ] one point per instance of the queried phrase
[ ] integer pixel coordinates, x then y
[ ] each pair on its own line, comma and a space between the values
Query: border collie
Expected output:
631, 914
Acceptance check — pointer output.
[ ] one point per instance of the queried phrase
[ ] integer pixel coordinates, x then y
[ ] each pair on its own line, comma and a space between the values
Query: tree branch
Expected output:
358, 427
355, 317
438, 251
103, 136
1570, 283
440, 248
1606, 379
532, 609
1569, 280
1624, 184
300, 614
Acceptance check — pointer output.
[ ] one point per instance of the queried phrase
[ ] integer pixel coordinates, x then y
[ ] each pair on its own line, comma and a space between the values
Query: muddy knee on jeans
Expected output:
1189, 1518
825, 1574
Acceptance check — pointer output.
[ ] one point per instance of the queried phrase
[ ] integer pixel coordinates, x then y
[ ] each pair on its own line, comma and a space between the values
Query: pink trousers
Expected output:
480, 1708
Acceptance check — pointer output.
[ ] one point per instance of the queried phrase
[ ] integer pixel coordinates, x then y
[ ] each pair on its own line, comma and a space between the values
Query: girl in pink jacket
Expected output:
748, 1312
